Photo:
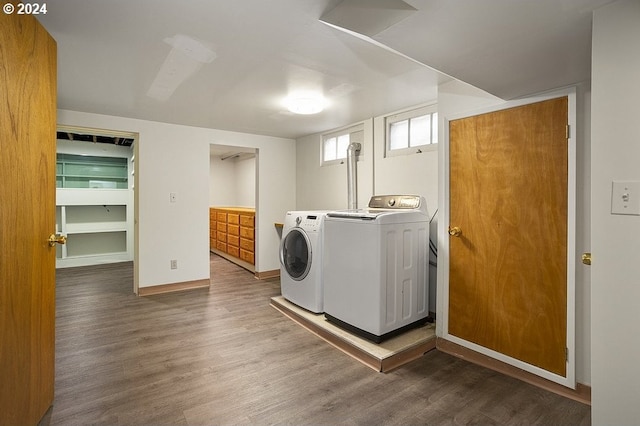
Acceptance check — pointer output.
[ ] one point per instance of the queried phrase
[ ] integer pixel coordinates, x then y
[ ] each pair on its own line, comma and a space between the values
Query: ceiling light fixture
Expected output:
305, 105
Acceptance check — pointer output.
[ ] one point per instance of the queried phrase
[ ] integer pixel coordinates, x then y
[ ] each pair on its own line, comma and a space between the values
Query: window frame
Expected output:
431, 110
336, 134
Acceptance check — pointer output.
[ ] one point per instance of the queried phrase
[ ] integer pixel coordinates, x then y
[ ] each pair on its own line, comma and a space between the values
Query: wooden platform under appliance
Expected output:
383, 357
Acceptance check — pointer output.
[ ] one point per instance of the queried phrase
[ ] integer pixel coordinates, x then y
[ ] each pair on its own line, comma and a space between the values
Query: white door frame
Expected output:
443, 239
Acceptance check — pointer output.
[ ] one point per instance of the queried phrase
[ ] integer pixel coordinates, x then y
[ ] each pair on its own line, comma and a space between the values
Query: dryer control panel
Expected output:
309, 222
395, 202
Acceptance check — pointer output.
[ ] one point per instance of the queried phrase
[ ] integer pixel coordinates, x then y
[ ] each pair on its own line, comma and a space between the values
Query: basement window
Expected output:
335, 144
412, 131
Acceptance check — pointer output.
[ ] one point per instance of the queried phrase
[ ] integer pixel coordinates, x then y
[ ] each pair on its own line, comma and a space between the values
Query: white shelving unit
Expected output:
94, 202
81, 171
93, 230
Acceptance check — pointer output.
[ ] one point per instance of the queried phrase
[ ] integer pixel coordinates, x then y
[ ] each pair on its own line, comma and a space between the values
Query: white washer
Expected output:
376, 276
301, 259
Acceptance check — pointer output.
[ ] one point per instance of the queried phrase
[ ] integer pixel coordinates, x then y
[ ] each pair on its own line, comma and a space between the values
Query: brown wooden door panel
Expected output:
27, 217
508, 194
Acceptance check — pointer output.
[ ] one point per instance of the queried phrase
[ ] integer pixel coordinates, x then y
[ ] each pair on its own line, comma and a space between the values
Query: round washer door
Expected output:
295, 254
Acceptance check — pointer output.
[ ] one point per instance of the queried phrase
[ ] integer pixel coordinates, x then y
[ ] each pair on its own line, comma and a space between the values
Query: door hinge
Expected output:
568, 131
566, 354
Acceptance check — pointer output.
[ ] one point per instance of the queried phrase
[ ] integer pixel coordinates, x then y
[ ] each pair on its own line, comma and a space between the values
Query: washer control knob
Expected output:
298, 220
391, 202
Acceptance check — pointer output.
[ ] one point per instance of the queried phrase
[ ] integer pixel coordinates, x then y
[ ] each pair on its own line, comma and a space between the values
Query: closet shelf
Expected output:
89, 177
95, 255
92, 228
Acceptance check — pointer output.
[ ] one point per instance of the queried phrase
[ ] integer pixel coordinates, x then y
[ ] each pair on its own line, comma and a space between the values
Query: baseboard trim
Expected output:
173, 287
275, 273
582, 393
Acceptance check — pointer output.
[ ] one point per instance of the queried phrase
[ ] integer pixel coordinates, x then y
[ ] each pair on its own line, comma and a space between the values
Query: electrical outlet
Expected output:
174, 264
172, 197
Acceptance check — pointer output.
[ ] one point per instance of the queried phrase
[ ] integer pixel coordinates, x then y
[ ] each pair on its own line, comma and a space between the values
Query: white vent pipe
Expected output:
352, 175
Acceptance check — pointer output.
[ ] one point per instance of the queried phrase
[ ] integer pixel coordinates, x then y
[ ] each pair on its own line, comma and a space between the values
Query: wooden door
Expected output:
27, 218
508, 266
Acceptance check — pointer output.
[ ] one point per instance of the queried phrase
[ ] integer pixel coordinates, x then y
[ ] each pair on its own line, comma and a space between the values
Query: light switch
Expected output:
625, 197
172, 197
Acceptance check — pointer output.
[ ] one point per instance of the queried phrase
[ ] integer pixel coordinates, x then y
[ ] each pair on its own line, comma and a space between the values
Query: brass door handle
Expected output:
455, 231
53, 239
586, 258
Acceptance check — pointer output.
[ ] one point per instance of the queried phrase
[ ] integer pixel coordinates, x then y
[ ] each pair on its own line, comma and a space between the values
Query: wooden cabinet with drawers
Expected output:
232, 234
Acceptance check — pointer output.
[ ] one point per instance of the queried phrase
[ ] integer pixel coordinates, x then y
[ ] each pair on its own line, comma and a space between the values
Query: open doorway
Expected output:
95, 196
233, 204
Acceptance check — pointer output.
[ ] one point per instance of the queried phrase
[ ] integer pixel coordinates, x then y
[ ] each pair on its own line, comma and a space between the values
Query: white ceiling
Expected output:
110, 51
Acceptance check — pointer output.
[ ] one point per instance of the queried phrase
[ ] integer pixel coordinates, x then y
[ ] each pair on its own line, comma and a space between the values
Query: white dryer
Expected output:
376, 260
301, 280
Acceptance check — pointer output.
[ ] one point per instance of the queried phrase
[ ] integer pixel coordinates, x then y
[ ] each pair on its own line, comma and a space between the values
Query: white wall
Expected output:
222, 191
232, 182
615, 273
245, 182
415, 174
320, 188
325, 188
173, 158
276, 194
456, 98
583, 234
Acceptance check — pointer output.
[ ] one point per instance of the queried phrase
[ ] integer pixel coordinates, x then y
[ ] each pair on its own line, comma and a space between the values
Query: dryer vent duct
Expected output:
352, 175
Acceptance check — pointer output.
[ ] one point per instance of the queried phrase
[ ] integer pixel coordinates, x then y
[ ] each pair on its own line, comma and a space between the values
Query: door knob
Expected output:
53, 239
455, 231
586, 258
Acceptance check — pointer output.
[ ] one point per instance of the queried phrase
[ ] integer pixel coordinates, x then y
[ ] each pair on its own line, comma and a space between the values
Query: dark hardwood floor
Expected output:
224, 356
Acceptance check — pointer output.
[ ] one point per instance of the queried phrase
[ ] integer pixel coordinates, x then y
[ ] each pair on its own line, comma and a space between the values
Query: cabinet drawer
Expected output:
247, 256
221, 246
246, 244
233, 251
247, 233
222, 237
213, 234
222, 217
232, 240
233, 229
246, 221
222, 227
233, 218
